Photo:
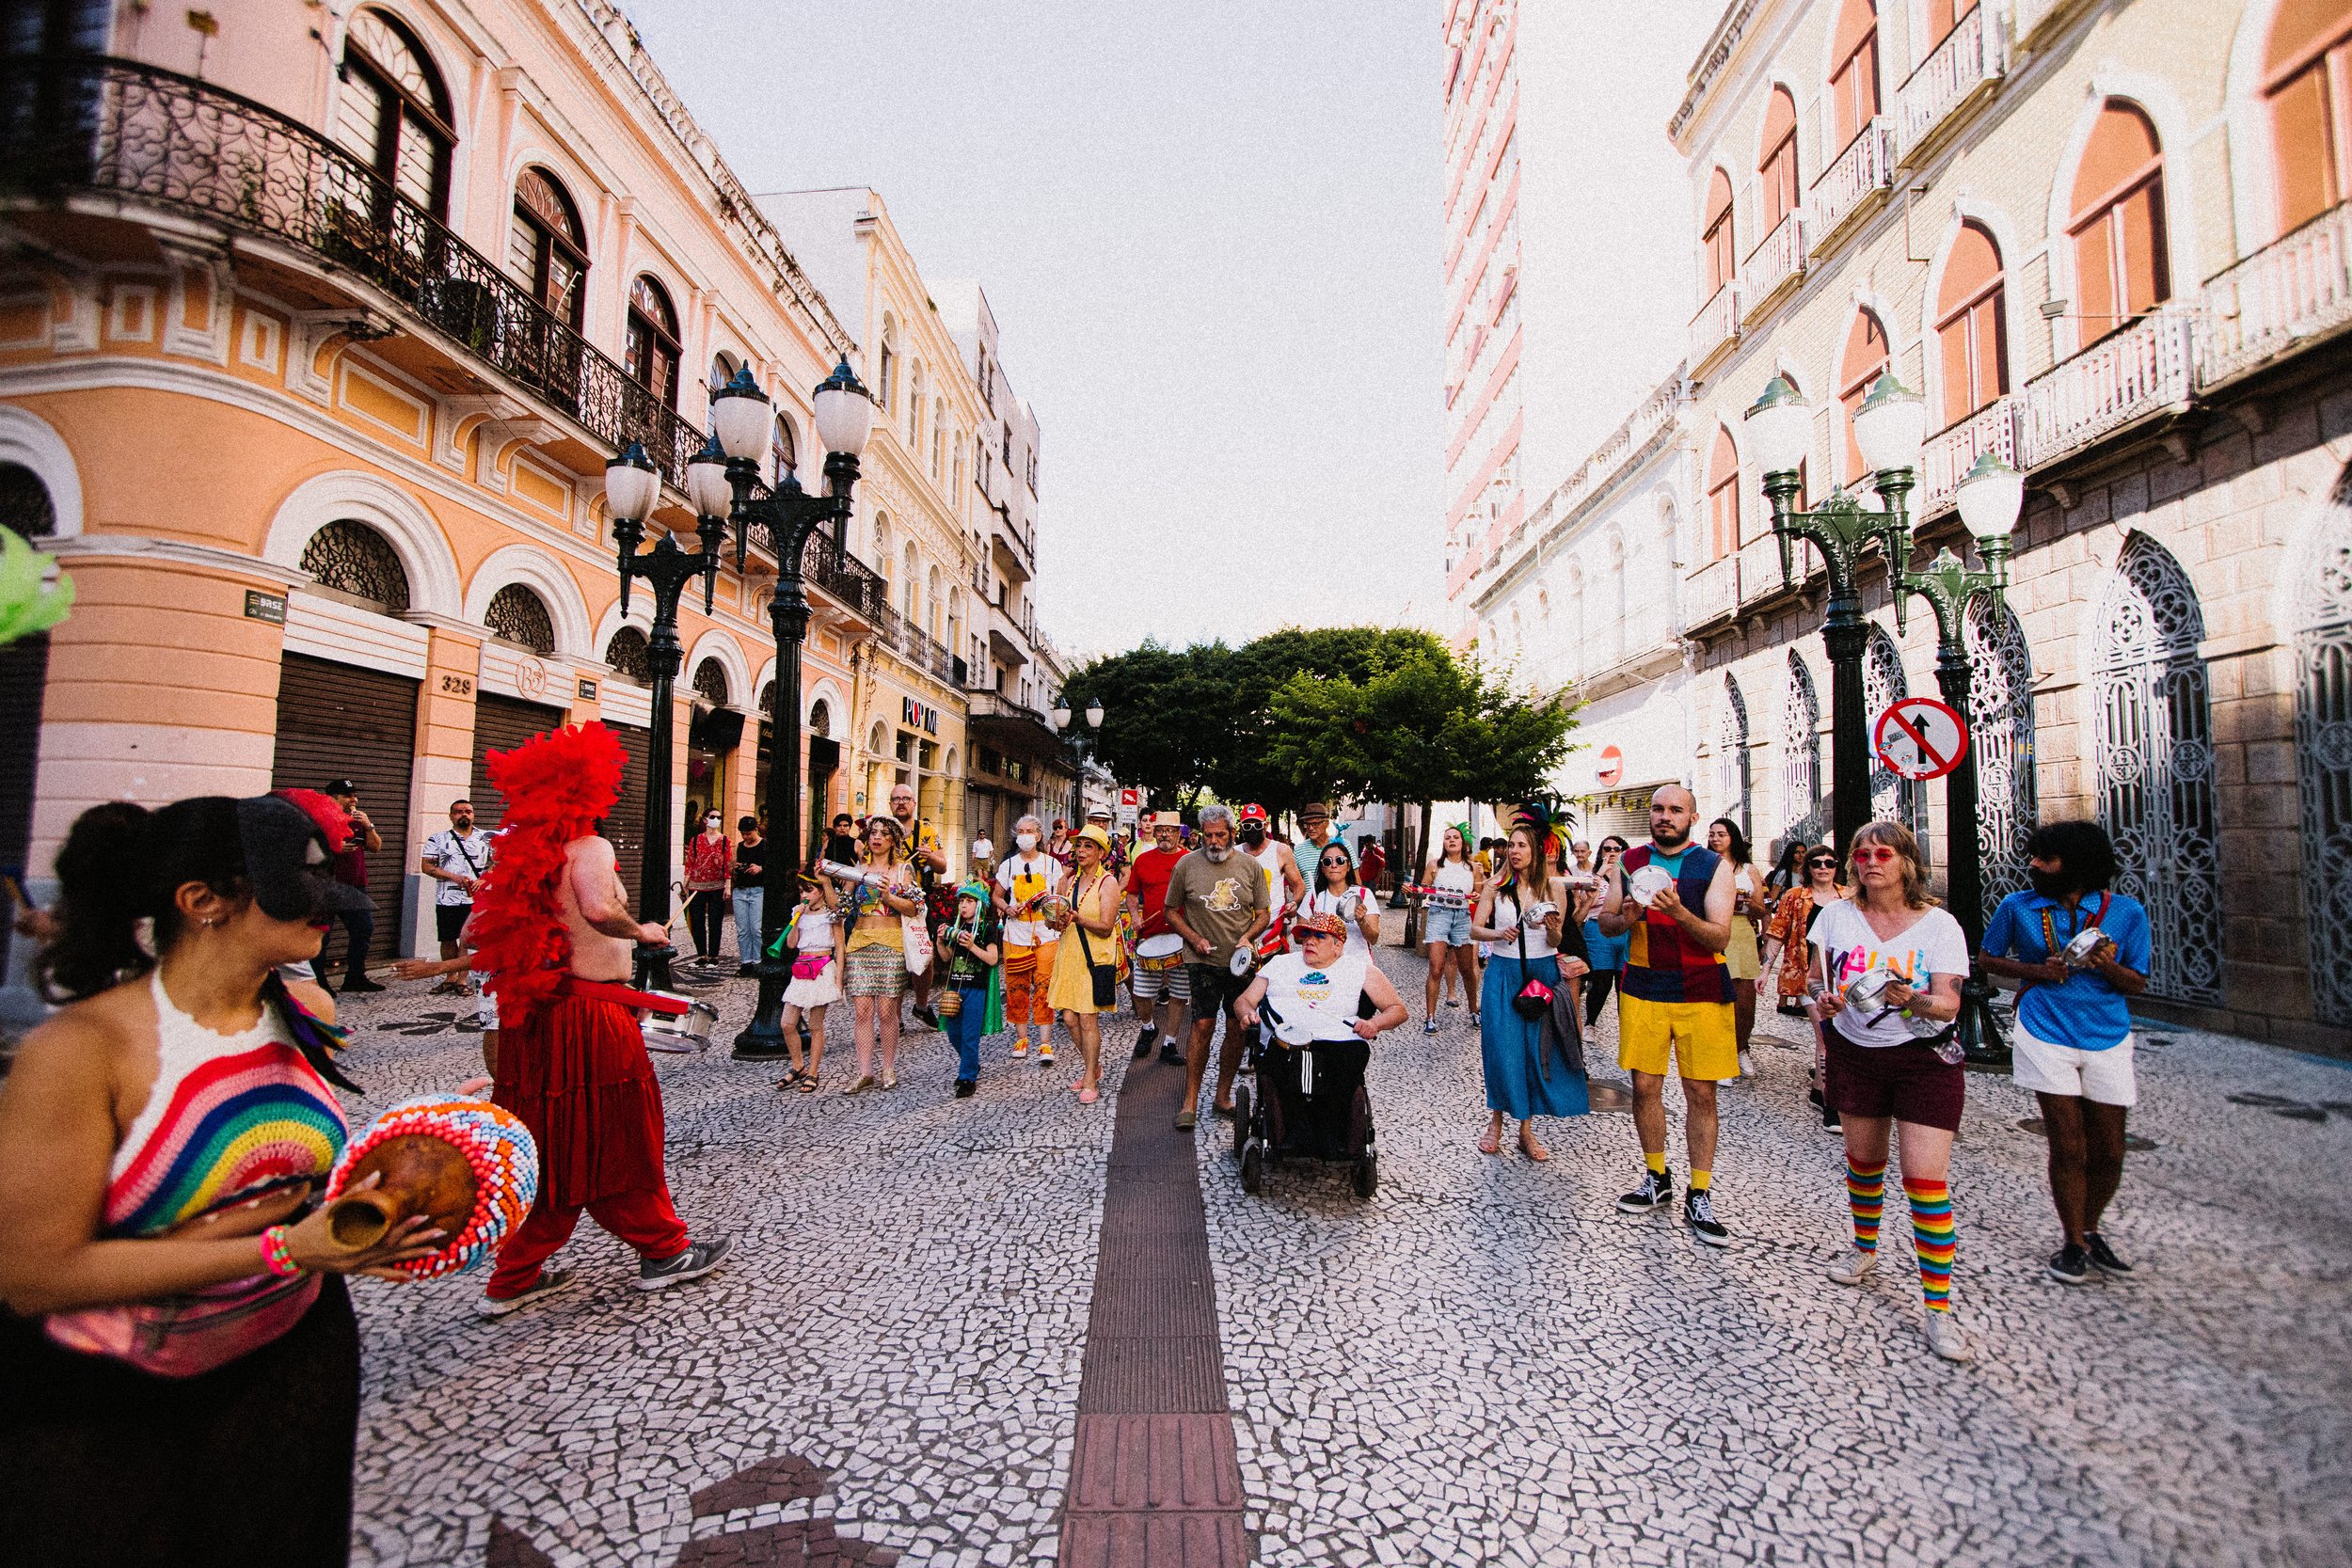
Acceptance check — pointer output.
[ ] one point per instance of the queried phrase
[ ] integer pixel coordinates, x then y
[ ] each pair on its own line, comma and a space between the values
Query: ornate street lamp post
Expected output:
1084, 745
1887, 428
1990, 497
743, 419
631, 485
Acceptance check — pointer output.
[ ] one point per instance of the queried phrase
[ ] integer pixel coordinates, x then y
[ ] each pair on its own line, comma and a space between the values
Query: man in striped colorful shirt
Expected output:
1673, 900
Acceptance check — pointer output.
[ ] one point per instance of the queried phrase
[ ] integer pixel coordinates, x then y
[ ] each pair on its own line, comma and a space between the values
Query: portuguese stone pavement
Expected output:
1483, 1363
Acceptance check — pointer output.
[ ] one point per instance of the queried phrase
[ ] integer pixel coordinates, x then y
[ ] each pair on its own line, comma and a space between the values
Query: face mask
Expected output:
1253, 836
710, 824
1026, 841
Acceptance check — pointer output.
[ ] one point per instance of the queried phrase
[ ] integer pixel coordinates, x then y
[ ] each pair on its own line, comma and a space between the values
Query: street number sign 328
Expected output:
1919, 737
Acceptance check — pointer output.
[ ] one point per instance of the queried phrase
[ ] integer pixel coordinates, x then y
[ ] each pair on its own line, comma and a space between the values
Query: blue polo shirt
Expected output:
2083, 1011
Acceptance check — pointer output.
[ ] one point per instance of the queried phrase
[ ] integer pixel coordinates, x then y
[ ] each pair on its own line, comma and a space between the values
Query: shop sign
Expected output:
919, 716
265, 607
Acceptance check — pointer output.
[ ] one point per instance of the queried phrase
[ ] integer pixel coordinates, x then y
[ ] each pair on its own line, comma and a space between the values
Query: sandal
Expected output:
864, 1082
1491, 1144
1531, 1148
789, 1078
807, 1083
1088, 1095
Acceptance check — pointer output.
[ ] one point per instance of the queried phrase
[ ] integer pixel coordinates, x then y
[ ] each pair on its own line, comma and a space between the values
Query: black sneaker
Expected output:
548, 1282
965, 1088
2070, 1265
360, 983
929, 1016
1169, 1054
1698, 1208
1655, 1192
697, 1260
2103, 1256
1144, 1043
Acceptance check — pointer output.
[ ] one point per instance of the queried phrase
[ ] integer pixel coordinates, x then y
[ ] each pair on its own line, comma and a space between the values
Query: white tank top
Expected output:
1294, 990
1271, 859
814, 932
1455, 876
1538, 939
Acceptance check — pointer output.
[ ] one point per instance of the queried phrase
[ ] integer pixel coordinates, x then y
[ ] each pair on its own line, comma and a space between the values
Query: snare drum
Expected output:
1160, 953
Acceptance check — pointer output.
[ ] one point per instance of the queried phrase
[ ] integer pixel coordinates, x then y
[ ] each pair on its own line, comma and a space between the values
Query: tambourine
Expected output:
1246, 960
471, 1167
1438, 897
1054, 909
2076, 953
1647, 884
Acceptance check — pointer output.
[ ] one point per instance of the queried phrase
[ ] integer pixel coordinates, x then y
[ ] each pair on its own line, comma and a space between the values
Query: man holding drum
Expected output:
1216, 902
1158, 980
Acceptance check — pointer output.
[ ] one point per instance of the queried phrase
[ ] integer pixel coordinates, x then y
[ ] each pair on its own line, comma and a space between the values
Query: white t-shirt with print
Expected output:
1023, 878
1933, 945
460, 855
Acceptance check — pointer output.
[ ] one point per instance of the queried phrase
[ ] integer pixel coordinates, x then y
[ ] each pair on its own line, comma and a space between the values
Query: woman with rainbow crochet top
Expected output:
170, 1286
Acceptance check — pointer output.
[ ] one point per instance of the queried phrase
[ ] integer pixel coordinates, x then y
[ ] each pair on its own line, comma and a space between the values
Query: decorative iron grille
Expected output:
711, 682
24, 505
2155, 753
1800, 745
1731, 760
2000, 715
352, 558
1893, 798
2322, 752
519, 615
628, 655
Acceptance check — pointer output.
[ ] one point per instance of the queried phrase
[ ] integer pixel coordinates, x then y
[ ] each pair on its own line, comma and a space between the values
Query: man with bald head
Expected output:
1673, 898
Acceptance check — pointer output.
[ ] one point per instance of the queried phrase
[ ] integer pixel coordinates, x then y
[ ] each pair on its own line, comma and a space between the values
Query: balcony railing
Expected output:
1969, 56
846, 579
1946, 457
1717, 324
155, 137
1862, 171
1777, 260
2139, 371
1759, 571
2295, 287
1711, 594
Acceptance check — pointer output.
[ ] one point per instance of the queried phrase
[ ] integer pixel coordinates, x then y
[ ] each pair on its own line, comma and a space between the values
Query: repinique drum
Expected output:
1155, 950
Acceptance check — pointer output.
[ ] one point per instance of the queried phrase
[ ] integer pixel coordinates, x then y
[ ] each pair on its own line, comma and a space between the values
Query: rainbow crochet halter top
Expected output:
231, 1117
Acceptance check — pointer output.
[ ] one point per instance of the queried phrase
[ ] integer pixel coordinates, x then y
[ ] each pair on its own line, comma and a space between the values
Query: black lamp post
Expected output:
1084, 745
631, 485
1990, 498
1887, 428
742, 419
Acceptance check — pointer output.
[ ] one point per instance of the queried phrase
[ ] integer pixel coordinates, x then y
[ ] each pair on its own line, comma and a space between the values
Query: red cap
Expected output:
1253, 813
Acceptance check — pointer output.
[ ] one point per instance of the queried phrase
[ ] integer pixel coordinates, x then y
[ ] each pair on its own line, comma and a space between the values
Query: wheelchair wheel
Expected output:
1367, 1175
1252, 1168
1241, 1119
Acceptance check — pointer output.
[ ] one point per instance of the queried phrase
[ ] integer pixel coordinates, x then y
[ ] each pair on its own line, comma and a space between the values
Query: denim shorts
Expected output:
1449, 927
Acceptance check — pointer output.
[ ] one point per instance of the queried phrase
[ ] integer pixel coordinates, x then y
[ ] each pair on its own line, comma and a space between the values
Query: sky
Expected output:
1212, 233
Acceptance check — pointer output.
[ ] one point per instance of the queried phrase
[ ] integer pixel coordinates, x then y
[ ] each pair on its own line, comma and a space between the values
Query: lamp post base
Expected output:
763, 1039
1983, 1048
652, 967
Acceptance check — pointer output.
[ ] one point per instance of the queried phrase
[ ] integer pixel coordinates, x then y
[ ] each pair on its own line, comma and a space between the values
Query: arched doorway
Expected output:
1893, 798
2154, 756
2323, 757
1731, 756
1801, 751
2000, 718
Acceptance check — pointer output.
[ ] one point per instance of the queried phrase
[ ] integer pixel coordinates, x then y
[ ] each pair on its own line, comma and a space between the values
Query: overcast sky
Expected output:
1212, 234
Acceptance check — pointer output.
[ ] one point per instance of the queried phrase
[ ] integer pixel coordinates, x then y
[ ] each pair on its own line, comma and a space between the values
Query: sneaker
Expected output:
1021, 1046
360, 983
1829, 1121
1698, 1208
929, 1015
1144, 1042
1948, 1339
1430, 1027
2103, 1256
1655, 1192
1855, 1267
1188, 1119
1045, 1055
1452, 1000
1473, 1018
698, 1260
548, 1282
2070, 1265
1169, 1054
1747, 1064
965, 1088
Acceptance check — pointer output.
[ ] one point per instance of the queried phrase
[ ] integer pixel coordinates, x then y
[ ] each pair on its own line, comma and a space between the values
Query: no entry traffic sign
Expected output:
1611, 766
1919, 737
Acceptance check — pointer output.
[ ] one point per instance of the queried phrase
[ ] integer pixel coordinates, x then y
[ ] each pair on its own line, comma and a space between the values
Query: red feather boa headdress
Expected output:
558, 786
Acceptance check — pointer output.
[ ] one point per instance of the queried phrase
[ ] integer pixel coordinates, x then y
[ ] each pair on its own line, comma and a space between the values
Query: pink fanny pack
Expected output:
191, 1334
809, 966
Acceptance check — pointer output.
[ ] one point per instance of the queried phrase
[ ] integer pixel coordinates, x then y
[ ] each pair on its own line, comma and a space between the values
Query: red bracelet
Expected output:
275, 1257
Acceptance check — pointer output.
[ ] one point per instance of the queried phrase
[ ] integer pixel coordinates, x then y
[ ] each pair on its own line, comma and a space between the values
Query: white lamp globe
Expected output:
741, 418
845, 412
1094, 714
1991, 494
1890, 424
706, 486
1061, 716
1777, 424
631, 484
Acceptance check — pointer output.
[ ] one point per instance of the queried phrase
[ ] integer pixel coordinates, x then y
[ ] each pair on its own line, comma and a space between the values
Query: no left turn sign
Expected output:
1920, 738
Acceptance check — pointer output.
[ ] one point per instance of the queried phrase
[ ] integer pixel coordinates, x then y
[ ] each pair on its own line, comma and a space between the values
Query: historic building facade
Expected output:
2110, 242
317, 328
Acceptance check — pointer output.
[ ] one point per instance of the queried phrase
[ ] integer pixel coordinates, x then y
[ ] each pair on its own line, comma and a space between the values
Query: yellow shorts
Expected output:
1699, 1034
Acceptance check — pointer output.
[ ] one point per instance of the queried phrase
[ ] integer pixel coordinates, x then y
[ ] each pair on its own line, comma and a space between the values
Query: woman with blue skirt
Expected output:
1525, 1078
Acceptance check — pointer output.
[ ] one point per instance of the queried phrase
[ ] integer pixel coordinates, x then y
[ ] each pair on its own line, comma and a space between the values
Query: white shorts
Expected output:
2105, 1076
1146, 981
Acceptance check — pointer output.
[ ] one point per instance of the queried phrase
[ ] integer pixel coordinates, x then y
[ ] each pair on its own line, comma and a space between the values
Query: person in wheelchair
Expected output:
1316, 1010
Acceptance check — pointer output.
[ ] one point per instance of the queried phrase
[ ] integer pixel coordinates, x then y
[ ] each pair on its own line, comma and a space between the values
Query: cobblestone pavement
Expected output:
1485, 1363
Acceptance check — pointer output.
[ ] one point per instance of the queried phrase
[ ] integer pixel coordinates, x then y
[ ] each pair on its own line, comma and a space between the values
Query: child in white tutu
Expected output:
814, 940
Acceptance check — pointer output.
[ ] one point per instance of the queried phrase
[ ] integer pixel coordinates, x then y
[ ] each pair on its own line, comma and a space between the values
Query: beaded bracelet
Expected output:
275, 1257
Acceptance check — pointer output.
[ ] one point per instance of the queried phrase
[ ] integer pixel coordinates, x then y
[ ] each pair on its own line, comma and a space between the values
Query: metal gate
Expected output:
1801, 751
625, 825
338, 720
2323, 755
2155, 753
1731, 762
1893, 798
2000, 718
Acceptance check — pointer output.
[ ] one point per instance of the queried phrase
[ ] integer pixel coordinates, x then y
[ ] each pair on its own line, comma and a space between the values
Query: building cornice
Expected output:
176, 552
1721, 45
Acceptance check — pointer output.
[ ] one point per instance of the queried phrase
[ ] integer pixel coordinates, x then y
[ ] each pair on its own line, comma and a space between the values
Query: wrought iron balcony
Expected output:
1967, 60
1777, 261
844, 577
74, 125
1944, 461
1861, 173
2293, 290
2143, 370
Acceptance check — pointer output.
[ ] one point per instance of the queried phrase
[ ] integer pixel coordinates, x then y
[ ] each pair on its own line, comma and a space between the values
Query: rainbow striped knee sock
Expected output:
1933, 1238
1866, 1195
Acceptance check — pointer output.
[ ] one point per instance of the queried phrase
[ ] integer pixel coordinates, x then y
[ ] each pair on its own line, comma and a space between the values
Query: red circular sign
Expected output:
1920, 738
1612, 765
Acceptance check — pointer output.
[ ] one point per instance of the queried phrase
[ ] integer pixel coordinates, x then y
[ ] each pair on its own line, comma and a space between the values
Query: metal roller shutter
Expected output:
338, 720
625, 827
501, 724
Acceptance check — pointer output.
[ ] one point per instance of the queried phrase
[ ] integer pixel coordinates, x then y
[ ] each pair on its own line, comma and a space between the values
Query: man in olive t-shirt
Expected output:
1216, 901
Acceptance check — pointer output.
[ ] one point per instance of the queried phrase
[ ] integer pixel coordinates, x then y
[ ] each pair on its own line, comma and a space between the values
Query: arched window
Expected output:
2121, 268
912, 580
1731, 754
1971, 324
887, 383
722, 368
547, 247
1943, 16
1801, 751
1863, 362
519, 615
1883, 684
2153, 732
1723, 498
914, 409
881, 547
653, 340
933, 604
821, 718
352, 558
2323, 757
785, 449
711, 682
26, 509
1715, 234
1776, 172
2306, 81
628, 656
939, 437
394, 112
1853, 72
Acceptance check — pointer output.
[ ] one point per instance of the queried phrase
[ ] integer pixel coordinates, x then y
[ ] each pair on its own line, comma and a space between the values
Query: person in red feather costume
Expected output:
552, 927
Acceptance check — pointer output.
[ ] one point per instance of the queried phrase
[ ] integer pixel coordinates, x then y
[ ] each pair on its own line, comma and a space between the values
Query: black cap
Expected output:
285, 861
339, 786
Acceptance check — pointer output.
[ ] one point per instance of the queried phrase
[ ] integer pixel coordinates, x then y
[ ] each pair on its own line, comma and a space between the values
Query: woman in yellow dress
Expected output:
1093, 897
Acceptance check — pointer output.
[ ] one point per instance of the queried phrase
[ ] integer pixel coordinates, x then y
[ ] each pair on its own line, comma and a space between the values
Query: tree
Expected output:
1163, 713
1255, 758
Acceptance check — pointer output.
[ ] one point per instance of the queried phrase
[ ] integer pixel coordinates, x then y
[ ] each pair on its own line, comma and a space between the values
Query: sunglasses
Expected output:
1821, 865
1874, 854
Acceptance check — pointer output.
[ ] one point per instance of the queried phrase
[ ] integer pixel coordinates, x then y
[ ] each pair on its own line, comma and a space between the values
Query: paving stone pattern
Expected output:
1483, 1363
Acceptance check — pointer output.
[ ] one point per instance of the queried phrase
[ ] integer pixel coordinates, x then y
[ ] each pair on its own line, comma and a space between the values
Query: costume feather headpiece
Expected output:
558, 786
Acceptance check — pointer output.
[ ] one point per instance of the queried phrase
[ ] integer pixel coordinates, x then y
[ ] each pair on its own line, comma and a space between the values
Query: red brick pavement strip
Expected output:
1154, 1481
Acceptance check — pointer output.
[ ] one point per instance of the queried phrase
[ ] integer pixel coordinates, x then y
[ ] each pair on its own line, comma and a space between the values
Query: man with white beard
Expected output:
1216, 901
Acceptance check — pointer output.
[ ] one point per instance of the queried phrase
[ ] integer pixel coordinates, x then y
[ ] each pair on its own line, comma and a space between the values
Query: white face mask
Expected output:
1026, 841
710, 824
